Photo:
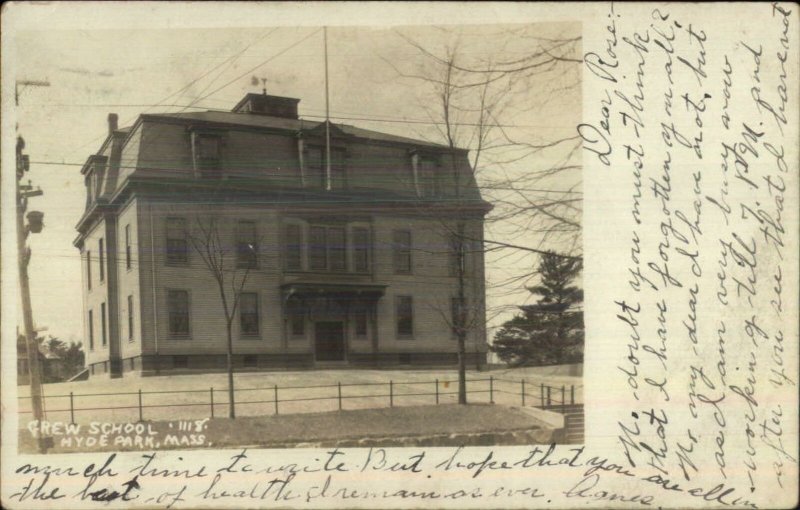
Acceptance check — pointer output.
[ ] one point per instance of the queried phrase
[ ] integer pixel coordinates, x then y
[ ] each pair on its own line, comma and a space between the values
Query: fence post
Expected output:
211, 392
71, 410
572, 394
522, 393
339, 385
140, 405
541, 394
391, 394
437, 391
549, 400
276, 398
563, 400
491, 389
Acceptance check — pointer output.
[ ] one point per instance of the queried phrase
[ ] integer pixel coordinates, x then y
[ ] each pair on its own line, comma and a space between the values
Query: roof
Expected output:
265, 121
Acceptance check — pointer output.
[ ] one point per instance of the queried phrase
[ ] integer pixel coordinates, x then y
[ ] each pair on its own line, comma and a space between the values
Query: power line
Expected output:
292, 179
188, 85
389, 120
263, 63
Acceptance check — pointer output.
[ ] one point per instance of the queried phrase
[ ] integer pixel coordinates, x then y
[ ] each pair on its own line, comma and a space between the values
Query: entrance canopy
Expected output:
330, 301
348, 291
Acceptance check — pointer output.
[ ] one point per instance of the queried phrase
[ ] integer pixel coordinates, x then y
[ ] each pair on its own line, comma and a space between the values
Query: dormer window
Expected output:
427, 178
318, 168
90, 187
207, 151
208, 147
94, 188
94, 169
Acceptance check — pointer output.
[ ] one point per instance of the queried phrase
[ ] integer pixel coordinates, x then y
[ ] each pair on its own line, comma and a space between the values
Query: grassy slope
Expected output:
356, 424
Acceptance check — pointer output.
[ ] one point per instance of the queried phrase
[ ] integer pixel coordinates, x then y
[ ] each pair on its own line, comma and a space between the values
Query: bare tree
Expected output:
227, 269
472, 97
478, 99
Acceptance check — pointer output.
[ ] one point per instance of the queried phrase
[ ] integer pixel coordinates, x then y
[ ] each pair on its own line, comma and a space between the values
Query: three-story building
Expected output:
345, 237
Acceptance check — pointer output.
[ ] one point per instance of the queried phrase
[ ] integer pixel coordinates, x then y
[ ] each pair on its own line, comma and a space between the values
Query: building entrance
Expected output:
329, 341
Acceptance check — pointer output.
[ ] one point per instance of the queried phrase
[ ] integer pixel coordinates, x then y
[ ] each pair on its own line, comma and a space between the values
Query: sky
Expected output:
95, 72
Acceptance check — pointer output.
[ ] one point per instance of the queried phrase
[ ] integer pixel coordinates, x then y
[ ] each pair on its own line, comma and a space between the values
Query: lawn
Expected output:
310, 391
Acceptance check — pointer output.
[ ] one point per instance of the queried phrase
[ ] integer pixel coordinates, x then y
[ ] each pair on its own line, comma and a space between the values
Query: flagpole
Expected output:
327, 118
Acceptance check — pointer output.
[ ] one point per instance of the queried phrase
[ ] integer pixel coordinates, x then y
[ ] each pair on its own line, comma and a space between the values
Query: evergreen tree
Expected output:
550, 331
69, 358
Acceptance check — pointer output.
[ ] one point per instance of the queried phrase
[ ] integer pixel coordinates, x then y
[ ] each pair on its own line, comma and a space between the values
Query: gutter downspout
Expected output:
153, 275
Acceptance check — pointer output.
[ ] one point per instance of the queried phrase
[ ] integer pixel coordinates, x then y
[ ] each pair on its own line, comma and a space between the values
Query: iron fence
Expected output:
274, 398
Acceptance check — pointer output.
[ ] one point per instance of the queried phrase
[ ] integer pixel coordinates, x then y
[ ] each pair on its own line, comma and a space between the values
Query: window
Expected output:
338, 169
318, 168
178, 306
293, 246
298, 324
429, 178
246, 245
318, 251
177, 243
89, 182
327, 249
402, 251
248, 313
456, 248
360, 320
405, 316
361, 246
296, 318
208, 147
100, 259
337, 251
103, 324
89, 269
130, 318
91, 331
127, 246
207, 150
458, 315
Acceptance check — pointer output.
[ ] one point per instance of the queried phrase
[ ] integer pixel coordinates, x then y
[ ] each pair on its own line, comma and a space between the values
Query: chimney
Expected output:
113, 119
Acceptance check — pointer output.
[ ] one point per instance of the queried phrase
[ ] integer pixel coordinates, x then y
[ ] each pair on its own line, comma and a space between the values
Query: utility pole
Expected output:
34, 225
20, 85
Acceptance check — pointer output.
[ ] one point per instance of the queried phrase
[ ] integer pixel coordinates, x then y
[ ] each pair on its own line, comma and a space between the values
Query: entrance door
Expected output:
329, 340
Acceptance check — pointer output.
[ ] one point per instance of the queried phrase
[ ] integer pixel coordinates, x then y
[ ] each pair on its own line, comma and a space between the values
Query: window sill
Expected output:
176, 264
250, 336
175, 336
404, 337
